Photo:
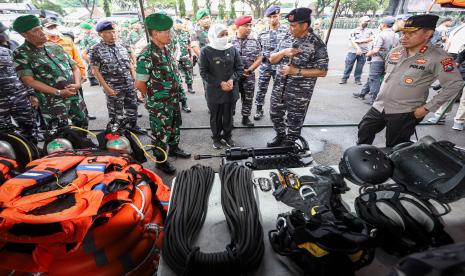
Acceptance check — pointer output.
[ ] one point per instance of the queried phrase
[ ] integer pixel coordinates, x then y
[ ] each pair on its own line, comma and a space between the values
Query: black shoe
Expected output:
93, 82
277, 141
359, 95
190, 90
358, 82
217, 144
343, 82
91, 117
247, 122
186, 108
176, 151
228, 142
258, 113
139, 115
166, 167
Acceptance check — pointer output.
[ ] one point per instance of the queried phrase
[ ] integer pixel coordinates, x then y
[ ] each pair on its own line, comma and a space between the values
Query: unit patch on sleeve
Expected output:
448, 64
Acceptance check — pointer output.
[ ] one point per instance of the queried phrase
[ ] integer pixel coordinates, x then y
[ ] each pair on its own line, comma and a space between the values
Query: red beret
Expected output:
241, 20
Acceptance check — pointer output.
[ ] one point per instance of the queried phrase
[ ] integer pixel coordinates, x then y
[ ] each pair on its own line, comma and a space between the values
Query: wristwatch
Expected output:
58, 92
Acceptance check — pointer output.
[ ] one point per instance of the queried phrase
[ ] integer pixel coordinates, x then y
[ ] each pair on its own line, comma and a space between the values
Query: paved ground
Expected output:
331, 106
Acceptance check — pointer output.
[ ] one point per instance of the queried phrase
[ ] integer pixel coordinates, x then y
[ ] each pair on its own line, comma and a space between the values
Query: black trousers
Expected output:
221, 120
399, 127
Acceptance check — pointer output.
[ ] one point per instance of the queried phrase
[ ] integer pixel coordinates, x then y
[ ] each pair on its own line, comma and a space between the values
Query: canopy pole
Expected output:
142, 12
336, 7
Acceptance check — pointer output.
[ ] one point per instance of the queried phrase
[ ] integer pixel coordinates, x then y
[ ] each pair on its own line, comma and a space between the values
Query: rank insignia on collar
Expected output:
395, 56
423, 49
420, 61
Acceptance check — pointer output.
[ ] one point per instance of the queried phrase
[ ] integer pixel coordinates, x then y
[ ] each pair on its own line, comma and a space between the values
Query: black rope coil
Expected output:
188, 209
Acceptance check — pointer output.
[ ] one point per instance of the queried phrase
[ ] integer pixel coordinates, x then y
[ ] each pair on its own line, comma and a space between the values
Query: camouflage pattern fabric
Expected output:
14, 99
269, 40
291, 94
157, 68
184, 62
88, 41
52, 66
200, 37
114, 64
249, 49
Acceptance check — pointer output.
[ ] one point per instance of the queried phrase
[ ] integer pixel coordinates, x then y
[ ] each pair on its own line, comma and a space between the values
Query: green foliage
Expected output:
182, 8
208, 4
232, 12
48, 5
221, 9
161, 4
365, 6
107, 8
195, 7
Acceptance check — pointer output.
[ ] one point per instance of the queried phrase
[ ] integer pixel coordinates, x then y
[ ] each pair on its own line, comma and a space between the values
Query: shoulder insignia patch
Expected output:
448, 64
423, 49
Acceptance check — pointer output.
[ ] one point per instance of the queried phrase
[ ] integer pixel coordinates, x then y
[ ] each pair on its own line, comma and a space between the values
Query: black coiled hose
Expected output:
187, 214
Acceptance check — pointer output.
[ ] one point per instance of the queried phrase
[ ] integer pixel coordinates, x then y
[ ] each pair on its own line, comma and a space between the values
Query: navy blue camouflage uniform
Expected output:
114, 63
14, 99
291, 94
249, 49
268, 40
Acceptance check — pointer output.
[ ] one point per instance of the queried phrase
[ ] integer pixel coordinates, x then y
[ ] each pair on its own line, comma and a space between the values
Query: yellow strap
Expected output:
314, 249
29, 153
148, 155
85, 130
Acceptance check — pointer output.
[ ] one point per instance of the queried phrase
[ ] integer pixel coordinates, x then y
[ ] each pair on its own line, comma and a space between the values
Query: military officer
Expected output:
200, 37
249, 50
301, 57
14, 99
113, 69
269, 39
49, 70
410, 70
185, 56
159, 83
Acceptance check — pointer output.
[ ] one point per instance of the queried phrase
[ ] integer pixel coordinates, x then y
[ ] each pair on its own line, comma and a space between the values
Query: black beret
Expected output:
300, 15
104, 26
417, 22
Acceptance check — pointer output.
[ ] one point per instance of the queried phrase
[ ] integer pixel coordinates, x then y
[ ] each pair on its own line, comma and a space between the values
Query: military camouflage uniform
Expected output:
14, 101
123, 36
157, 68
200, 37
292, 93
87, 42
184, 61
249, 49
51, 65
114, 64
269, 40
134, 37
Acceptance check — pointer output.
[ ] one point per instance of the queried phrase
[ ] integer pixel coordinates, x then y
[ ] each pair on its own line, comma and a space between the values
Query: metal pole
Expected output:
336, 7
142, 12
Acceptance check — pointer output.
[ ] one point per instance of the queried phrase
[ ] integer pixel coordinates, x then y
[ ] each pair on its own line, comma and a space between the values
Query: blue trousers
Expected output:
374, 79
350, 61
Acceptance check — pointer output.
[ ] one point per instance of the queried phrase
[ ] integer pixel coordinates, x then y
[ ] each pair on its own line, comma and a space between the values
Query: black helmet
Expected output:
365, 164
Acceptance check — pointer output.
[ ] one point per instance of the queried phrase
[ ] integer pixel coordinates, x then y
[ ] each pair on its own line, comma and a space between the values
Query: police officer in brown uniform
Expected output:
410, 70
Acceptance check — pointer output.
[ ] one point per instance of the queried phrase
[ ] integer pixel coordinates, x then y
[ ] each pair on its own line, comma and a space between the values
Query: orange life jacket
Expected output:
7, 168
86, 221
457, 3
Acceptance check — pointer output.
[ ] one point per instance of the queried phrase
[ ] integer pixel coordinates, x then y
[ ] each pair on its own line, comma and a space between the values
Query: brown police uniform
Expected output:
405, 88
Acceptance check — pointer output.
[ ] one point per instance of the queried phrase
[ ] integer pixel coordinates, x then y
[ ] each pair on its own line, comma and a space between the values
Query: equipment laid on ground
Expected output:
365, 165
187, 214
23, 150
446, 260
290, 156
322, 188
430, 168
405, 222
82, 212
7, 169
66, 138
321, 236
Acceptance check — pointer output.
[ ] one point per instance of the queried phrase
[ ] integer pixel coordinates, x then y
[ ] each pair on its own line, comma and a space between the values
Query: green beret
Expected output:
133, 21
201, 13
125, 25
158, 22
24, 23
89, 21
85, 25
